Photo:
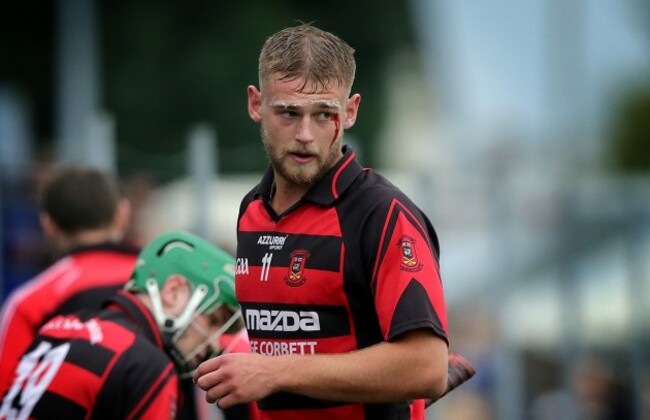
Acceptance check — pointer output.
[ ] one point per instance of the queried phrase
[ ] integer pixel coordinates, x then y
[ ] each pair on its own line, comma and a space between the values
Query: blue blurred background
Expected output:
521, 127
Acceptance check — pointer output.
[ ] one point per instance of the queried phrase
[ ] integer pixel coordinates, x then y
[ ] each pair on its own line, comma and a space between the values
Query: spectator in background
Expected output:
125, 360
83, 217
594, 392
138, 189
22, 254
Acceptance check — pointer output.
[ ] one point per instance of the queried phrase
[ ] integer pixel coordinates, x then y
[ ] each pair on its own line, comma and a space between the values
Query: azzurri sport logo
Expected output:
274, 242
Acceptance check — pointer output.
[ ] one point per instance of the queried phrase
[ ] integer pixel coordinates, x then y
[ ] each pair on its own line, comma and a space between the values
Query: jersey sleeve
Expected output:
406, 279
27, 308
16, 334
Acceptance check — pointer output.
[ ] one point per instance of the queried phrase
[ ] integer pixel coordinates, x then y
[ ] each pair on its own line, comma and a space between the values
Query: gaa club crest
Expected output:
296, 275
409, 261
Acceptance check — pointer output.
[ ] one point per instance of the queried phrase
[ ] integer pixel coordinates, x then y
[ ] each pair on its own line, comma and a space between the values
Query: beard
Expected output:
300, 175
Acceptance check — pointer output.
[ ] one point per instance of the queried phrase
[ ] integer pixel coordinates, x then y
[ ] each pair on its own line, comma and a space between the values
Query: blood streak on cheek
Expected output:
337, 127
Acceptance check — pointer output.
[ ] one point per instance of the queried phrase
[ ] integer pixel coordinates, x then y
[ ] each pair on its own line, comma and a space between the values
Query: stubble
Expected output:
300, 175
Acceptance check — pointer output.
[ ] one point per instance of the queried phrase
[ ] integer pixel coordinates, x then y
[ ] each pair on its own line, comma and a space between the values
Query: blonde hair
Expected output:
304, 51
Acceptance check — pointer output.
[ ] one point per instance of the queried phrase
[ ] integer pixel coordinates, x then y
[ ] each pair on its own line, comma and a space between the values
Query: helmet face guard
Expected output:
210, 273
210, 346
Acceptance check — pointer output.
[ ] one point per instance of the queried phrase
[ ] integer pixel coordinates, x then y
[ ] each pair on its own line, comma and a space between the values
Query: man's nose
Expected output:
305, 133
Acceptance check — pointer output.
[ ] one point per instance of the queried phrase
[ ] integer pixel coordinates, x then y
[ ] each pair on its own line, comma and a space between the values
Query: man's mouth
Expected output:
302, 157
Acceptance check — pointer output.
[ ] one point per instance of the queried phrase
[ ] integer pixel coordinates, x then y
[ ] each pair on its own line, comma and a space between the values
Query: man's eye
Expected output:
289, 114
214, 322
325, 116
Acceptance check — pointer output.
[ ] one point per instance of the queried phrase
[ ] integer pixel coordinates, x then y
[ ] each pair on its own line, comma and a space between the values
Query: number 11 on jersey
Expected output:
266, 266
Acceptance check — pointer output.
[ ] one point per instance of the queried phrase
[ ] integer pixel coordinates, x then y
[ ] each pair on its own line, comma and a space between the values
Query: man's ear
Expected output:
254, 103
122, 216
174, 294
50, 229
351, 110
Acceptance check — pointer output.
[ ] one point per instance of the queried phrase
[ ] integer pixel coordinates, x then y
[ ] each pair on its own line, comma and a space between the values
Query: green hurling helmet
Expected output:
209, 270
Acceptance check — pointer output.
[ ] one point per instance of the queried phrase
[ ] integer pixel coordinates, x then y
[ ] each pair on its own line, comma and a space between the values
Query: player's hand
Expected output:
459, 371
235, 378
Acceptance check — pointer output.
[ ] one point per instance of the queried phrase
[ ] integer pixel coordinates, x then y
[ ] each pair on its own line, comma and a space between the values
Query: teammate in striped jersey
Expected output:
125, 360
84, 219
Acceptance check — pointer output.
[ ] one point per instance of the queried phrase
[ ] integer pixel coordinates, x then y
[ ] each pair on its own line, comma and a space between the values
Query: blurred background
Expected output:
522, 128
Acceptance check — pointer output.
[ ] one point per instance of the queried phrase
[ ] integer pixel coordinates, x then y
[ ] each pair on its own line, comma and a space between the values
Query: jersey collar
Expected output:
329, 187
140, 315
118, 247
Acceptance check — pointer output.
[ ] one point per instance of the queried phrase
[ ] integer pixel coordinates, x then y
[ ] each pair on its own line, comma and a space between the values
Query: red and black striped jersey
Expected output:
352, 264
85, 278
84, 366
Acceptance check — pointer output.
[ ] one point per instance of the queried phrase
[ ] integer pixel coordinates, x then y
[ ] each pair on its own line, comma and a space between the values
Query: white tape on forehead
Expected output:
308, 103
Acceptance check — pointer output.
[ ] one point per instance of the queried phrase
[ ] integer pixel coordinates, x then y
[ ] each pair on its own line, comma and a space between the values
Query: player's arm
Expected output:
16, 334
414, 365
